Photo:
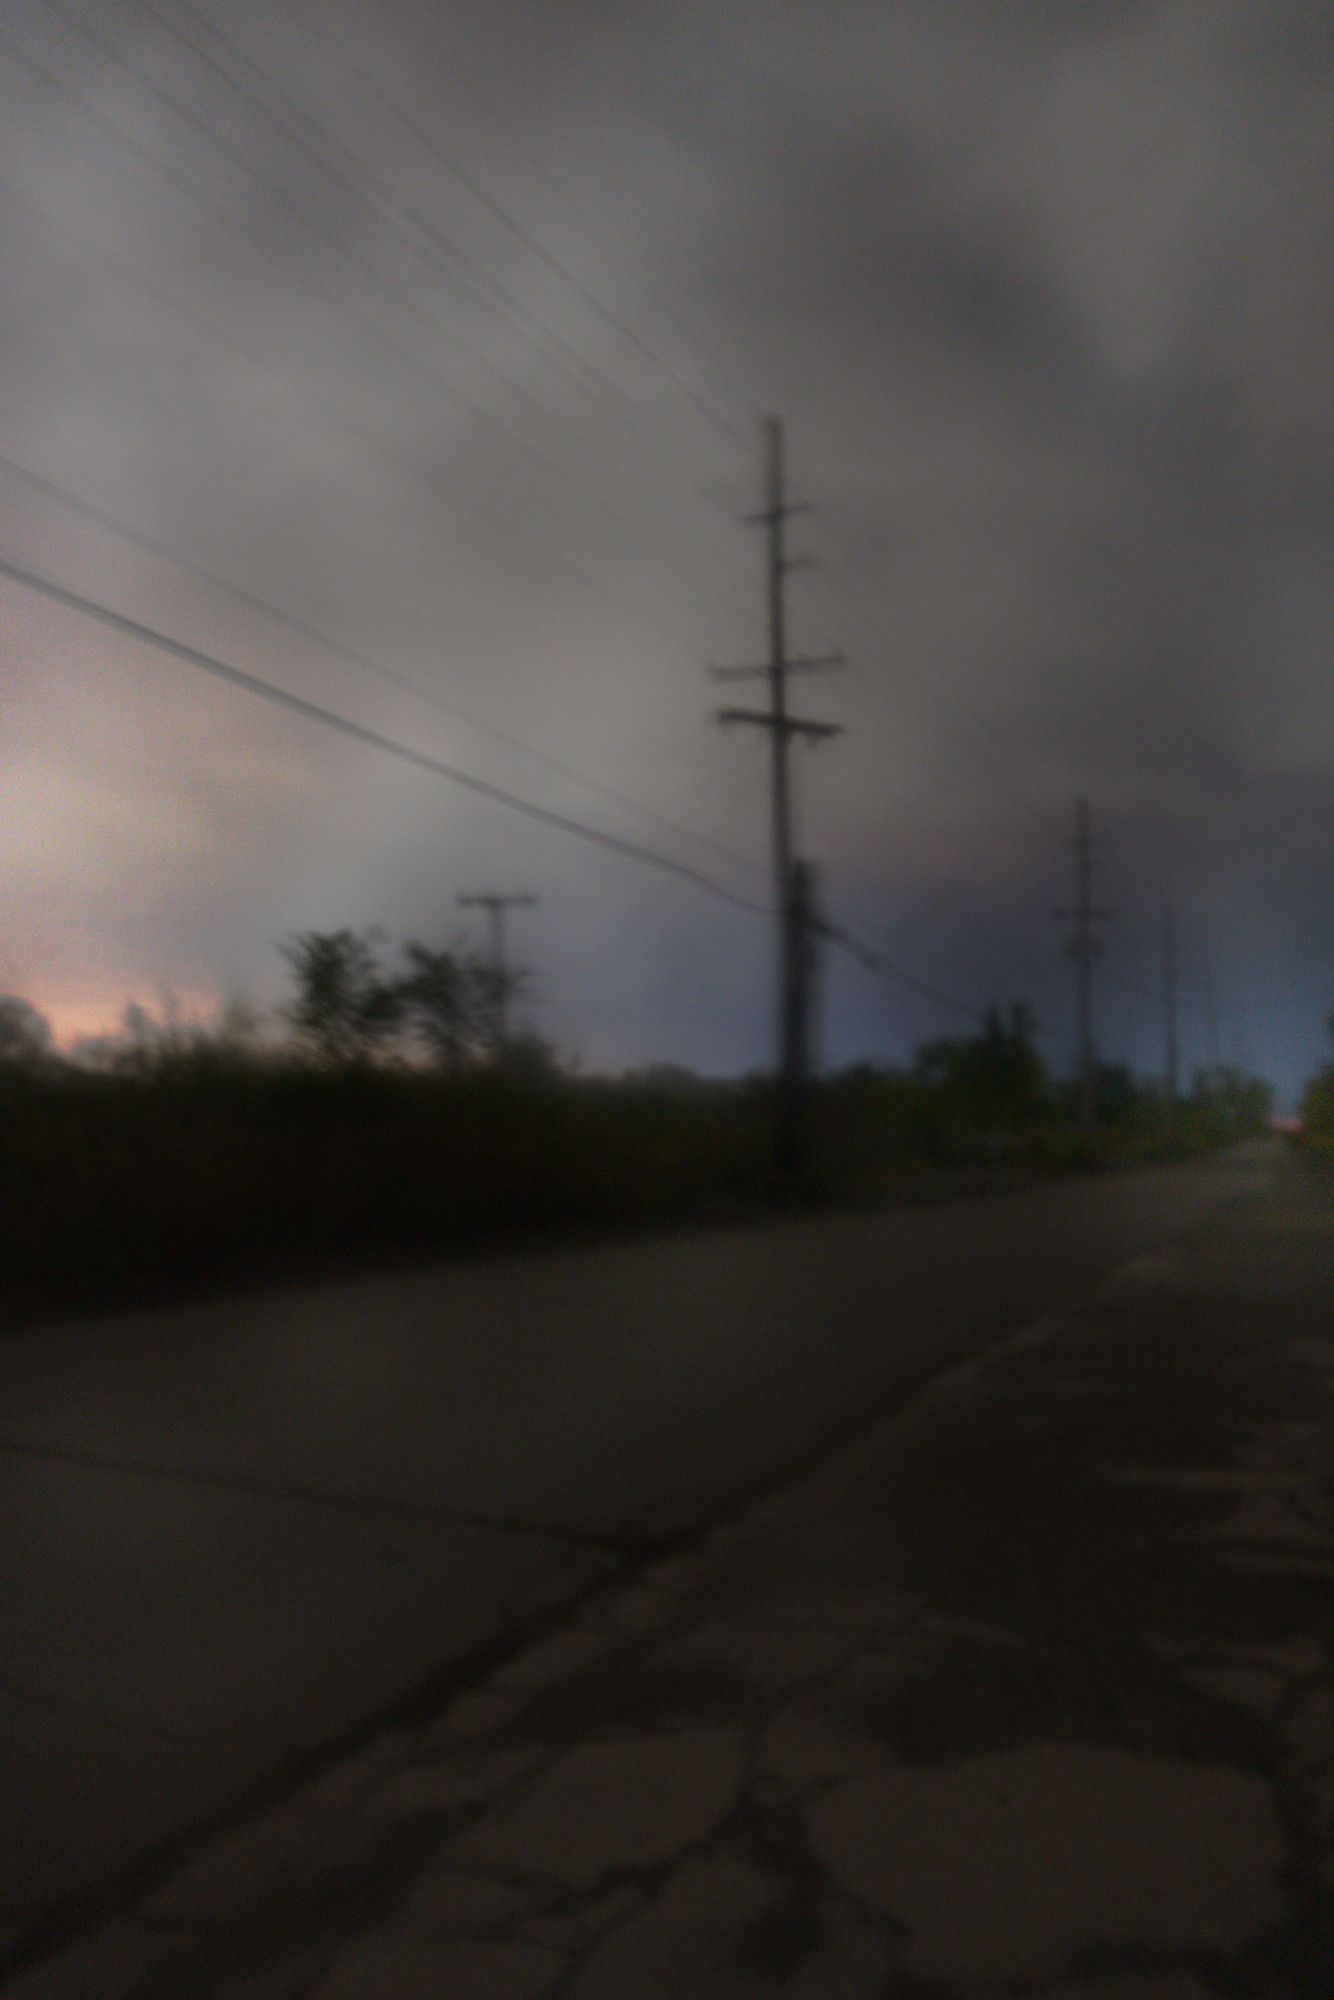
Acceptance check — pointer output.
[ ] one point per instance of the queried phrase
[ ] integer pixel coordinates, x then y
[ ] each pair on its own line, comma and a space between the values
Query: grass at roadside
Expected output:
215, 1166
1318, 1117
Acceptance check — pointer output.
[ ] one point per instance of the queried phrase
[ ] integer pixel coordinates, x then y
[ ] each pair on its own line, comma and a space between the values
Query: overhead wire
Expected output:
868, 679
468, 179
433, 245
963, 721
875, 961
408, 302
334, 407
382, 202
270, 691
659, 299
870, 959
354, 657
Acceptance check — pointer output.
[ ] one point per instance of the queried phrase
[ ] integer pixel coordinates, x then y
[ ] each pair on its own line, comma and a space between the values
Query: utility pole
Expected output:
791, 884
496, 907
1084, 947
1172, 1042
1211, 1019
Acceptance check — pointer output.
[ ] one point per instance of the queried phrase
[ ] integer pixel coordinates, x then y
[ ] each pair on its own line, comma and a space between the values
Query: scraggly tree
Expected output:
25, 1035
496, 987
345, 1010
994, 1079
458, 1004
440, 996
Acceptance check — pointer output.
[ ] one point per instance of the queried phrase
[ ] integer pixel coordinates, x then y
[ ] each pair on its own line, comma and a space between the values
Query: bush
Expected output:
186, 1156
1318, 1115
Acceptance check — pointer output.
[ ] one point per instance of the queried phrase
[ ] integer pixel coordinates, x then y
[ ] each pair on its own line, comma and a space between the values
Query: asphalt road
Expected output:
236, 1530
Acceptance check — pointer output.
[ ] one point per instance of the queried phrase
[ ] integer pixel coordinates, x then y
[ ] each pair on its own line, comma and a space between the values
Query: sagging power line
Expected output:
362, 661
314, 221
467, 178
280, 697
269, 691
438, 249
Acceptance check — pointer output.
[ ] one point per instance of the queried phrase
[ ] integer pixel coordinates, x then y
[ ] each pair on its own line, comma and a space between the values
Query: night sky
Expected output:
448, 333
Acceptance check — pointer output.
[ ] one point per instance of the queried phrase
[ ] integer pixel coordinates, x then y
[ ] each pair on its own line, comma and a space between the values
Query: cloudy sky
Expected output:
447, 335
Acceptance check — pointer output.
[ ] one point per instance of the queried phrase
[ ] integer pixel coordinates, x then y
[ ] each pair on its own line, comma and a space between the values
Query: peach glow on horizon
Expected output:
75, 1016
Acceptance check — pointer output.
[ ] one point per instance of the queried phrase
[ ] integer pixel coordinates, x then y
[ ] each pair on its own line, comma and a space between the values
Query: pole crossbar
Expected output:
803, 663
794, 895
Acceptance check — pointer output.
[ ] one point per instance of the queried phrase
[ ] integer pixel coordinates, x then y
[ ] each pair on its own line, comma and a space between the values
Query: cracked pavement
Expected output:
1028, 1693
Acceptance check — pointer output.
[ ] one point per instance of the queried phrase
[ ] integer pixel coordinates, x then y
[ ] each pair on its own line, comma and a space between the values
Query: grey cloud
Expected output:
1108, 542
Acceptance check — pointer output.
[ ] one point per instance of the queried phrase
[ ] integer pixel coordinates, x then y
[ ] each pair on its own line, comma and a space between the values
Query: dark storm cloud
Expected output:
1043, 293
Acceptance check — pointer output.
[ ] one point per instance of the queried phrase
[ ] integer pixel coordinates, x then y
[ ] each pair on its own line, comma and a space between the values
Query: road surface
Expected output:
239, 1530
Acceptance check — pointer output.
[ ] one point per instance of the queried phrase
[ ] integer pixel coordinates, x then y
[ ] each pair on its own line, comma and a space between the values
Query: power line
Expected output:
863, 673
469, 180
223, 670
254, 684
406, 356
363, 661
657, 298
445, 254
381, 203
874, 961
325, 402
578, 569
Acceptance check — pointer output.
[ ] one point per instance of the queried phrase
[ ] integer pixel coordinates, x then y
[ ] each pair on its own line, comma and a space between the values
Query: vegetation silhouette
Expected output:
378, 1117
1317, 1110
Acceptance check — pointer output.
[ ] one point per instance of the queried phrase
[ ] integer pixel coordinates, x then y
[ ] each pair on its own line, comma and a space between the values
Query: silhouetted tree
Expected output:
25, 1035
496, 988
1115, 1093
995, 1079
345, 1010
457, 1004
440, 997
1237, 1102
529, 1058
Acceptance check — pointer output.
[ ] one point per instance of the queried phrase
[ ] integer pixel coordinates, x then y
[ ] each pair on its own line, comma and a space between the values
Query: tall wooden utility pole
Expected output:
1084, 947
1172, 1044
791, 886
496, 907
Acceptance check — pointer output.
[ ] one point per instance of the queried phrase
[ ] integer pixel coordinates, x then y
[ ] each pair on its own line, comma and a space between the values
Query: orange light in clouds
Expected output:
72, 1016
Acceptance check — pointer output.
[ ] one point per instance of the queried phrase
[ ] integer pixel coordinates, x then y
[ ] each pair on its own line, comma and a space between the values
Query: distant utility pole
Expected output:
1084, 947
496, 907
1172, 1046
1211, 1018
792, 881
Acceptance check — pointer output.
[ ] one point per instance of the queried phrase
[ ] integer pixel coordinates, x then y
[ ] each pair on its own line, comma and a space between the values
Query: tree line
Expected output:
446, 1007
449, 1006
